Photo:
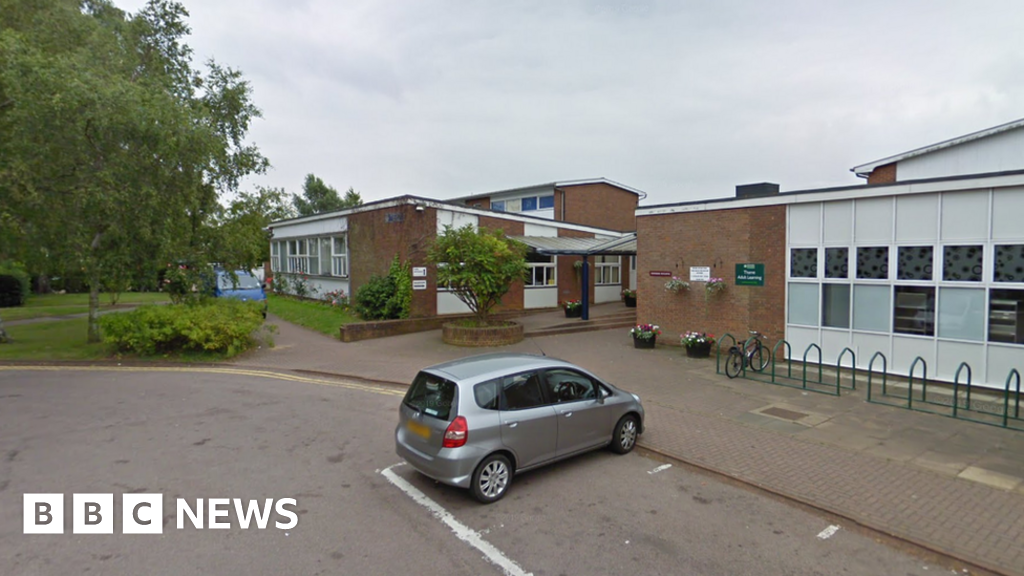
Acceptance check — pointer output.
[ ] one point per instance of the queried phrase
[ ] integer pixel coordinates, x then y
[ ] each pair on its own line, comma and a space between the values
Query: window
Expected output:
962, 313
962, 263
1009, 263
803, 304
837, 263
914, 263
803, 263
298, 257
275, 256
545, 202
431, 395
339, 256
606, 270
522, 391
568, 386
835, 309
1006, 316
873, 263
499, 206
541, 270
871, 308
914, 310
488, 394
529, 204
325, 256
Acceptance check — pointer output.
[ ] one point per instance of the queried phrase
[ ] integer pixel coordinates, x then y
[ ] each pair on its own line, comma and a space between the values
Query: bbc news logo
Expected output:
144, 513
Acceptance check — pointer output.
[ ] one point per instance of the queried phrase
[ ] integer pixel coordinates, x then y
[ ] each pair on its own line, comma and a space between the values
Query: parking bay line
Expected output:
462, 532
659, 469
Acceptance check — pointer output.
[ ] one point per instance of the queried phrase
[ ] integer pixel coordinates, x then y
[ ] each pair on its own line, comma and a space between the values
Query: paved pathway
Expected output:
952, 486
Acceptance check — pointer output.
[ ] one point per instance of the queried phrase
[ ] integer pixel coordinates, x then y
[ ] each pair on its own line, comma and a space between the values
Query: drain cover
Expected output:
784, 414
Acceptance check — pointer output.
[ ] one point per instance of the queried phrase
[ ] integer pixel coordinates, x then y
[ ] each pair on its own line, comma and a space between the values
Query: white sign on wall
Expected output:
419, 271
419, 284
700, 273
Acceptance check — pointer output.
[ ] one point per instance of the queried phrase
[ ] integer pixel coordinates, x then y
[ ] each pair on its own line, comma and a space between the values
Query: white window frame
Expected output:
339, 260
275, 256
605, 269
550, 273
298, 256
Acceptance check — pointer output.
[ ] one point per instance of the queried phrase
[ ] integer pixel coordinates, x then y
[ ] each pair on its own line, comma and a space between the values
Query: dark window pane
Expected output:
488, 394
914, 310
837, 263
499, 206
431, 395
915, 263
803, 263
962, 263
873, 263
522, 391
547, 202
1009, 263
568, 386
529, 203
835, 310
1006, 316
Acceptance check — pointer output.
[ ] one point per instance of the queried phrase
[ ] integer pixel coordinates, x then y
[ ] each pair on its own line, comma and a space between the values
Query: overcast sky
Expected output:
681, 99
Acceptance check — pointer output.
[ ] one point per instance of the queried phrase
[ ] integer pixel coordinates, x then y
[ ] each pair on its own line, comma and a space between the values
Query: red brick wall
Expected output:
599, 205
373, 243
513, 299
718, 239
883, 174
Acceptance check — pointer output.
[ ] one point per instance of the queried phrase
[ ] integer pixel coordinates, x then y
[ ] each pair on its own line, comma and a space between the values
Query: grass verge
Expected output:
313, 315
49, 305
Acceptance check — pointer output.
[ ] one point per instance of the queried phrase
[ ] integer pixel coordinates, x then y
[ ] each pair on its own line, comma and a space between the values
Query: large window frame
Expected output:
607, 272
543, 271
325, 256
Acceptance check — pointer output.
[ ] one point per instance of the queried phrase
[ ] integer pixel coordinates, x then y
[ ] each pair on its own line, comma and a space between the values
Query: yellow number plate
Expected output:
419, 429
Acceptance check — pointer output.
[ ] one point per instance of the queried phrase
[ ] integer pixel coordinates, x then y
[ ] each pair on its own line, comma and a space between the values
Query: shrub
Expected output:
222, 326
18, 270
12, 292
386, 297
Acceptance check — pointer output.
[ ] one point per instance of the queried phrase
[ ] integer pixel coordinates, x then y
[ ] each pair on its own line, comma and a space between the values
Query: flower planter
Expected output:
699, 350
644, 342
574, 312
630, 302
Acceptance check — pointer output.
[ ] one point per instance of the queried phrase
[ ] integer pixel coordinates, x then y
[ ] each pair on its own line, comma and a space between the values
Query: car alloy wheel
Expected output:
492, 478
624, 436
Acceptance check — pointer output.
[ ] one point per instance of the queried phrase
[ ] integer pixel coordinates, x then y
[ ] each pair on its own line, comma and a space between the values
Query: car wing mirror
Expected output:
600, 395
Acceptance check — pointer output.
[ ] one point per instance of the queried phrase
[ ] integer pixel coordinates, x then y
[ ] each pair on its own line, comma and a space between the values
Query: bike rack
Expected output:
789, 359
885, 373
1006, 399
853, 369
956, 388
812, 345
718, 355
910, 382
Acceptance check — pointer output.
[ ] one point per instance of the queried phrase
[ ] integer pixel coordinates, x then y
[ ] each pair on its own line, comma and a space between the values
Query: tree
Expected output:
239, 240
113, 149
478, 266
317, 197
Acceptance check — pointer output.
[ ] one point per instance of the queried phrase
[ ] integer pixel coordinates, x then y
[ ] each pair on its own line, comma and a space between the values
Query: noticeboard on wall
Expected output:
750, 274
700, 273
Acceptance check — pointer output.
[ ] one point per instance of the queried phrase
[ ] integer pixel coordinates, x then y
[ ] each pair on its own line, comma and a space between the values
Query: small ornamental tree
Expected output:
478, 266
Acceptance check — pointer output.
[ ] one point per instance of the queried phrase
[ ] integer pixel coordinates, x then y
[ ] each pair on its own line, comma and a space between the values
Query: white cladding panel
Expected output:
951, 354
540, 230
607, 293
448, 303
965, 215
997, 153
865, 345
873, 221
917, 218
805, 224
455, 220
839, 223
540, 297
1008, 214
324, 227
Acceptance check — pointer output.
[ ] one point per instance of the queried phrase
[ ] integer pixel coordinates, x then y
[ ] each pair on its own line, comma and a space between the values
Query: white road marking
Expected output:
659, 468
462, 532
828, 532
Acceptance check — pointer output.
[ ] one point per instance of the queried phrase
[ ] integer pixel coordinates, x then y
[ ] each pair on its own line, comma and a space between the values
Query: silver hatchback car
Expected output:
476, 422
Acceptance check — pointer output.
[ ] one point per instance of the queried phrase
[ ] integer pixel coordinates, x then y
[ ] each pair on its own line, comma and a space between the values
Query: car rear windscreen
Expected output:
431, 395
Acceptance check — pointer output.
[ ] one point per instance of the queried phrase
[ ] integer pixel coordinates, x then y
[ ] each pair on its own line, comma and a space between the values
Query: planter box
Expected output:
645, 342
506, 333
699, 350
630, 302
574, 313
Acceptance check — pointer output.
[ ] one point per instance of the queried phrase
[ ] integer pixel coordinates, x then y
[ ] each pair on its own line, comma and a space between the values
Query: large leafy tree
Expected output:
113, 148
317, 197
478, 266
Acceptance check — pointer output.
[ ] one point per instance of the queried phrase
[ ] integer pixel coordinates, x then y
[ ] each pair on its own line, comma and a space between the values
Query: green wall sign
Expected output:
750, 274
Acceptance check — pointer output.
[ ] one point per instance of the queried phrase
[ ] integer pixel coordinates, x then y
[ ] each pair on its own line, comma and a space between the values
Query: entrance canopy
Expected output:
556, 246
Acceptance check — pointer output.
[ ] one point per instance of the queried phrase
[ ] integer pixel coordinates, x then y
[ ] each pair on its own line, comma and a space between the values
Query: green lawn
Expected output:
312, 315
44, 305
57, 340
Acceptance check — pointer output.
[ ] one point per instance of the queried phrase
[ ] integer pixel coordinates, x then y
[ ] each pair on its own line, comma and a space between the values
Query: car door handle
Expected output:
513, 424
567, 413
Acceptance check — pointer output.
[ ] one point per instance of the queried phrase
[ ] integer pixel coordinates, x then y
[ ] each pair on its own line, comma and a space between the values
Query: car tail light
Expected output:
456, 434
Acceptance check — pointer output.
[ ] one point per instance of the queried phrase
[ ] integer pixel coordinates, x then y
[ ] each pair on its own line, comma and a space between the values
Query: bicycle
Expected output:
753, 354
